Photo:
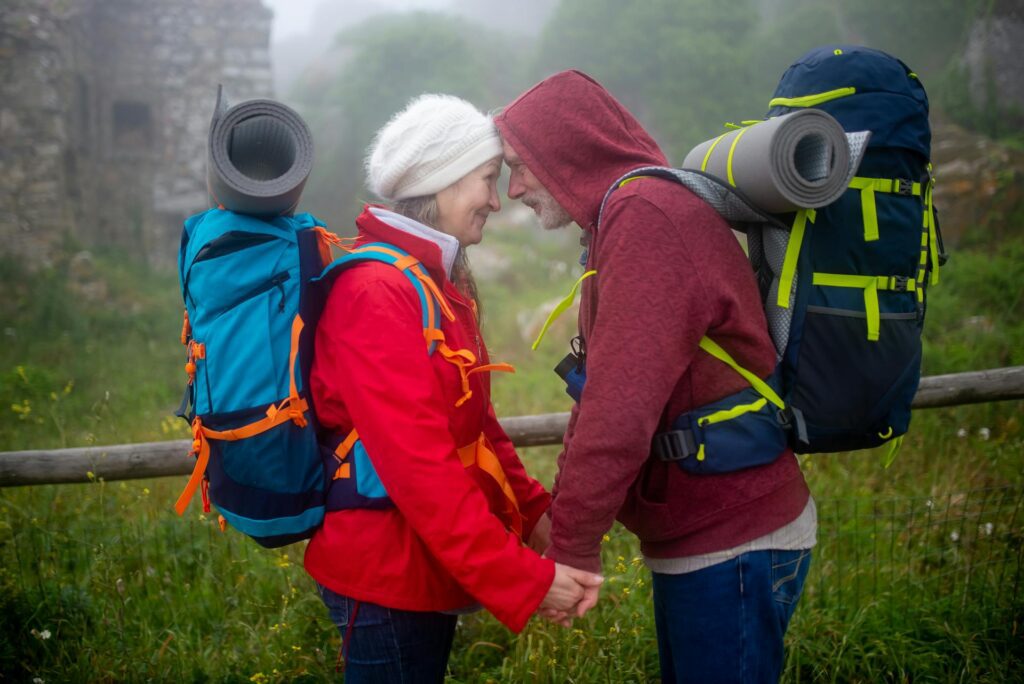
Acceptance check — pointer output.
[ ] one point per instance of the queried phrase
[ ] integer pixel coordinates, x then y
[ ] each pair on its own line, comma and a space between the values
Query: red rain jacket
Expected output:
441, 547
669, 271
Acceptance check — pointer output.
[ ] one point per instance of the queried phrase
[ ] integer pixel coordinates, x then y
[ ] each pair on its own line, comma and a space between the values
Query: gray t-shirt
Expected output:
800, 534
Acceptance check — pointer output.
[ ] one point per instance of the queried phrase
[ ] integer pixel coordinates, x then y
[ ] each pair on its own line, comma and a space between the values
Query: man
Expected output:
728, 552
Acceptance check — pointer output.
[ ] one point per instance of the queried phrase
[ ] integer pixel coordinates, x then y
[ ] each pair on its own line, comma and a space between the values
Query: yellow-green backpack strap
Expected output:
560, 308
762, 387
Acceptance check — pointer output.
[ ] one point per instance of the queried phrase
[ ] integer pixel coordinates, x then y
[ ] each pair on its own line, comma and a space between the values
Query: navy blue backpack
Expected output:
857, 271
844, 287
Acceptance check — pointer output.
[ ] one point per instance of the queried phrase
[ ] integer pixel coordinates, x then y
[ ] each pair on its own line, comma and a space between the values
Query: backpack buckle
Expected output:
904, 186
674, 445
900, 283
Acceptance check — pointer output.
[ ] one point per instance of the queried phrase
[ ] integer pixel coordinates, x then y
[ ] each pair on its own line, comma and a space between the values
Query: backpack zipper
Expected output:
277, 281
230, 242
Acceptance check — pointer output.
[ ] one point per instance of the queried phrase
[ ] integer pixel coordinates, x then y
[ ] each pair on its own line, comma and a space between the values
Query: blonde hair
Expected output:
424, 209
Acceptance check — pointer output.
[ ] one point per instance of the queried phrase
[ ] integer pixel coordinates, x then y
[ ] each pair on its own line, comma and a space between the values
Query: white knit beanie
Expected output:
433, 142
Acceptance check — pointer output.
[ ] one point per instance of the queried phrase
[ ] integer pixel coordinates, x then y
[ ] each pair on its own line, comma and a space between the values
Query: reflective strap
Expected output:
871, 285
868, 187
493, 368
196, 350
432, 335
707, 155
922, 266
929, 222
890, 454
431, 286
711, 347
408, 261
297, 326
743, 124
186, 329
560, 308
481, 454
276, 415
811, 100
325, 239
341, 453
732, 151
293, 408
867, 206
796, 238
202, 451
734, 412
461, 359
405, 262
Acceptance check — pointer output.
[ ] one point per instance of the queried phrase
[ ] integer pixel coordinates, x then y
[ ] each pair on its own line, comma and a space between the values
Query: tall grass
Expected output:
917, 576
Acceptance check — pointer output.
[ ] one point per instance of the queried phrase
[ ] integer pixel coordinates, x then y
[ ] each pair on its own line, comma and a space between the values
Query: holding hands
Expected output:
573, 591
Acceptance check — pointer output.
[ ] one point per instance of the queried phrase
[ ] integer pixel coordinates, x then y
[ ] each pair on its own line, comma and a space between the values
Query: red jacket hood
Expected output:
577, 140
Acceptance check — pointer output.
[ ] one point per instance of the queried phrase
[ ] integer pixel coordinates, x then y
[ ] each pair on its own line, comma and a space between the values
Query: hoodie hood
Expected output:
577, 140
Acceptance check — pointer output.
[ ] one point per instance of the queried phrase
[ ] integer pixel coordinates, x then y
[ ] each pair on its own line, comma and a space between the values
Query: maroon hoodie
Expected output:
669, 271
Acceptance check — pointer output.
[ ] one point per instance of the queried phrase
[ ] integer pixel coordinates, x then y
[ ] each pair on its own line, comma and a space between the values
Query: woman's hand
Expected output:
572, 593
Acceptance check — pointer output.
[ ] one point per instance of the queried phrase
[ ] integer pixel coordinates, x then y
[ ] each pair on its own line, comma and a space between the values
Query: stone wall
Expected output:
993, 61
109, 102
34, 61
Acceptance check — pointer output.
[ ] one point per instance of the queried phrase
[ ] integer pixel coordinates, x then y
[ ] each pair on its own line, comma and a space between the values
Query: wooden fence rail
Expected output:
158, 459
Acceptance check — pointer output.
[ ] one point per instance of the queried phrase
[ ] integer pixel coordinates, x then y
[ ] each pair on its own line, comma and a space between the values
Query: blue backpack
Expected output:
253, 290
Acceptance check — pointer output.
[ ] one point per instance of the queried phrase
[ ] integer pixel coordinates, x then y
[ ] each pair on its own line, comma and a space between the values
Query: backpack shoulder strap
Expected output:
731, 205
432, 303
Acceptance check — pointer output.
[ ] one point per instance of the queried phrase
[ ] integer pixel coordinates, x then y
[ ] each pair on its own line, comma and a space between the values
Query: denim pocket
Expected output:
337, 605
789, 569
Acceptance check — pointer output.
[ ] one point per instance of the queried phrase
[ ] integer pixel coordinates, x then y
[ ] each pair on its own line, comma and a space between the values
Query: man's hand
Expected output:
540, 537
573, 592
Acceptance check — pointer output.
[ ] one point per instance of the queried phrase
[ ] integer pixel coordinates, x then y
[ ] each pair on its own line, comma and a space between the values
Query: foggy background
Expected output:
105, 105
684, 67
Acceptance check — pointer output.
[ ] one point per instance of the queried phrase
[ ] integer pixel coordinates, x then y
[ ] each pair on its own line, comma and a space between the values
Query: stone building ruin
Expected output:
104, 112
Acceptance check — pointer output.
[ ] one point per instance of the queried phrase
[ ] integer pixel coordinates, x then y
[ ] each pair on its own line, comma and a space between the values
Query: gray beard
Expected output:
550, 213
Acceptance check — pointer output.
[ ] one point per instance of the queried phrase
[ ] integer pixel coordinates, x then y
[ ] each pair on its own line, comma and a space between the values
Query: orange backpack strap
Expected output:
481, 454
293, 408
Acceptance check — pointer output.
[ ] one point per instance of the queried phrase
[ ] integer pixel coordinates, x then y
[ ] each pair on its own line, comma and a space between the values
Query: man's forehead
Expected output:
510, 154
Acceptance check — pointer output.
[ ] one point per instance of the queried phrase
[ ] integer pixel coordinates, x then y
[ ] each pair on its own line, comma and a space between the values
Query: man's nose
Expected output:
516, 188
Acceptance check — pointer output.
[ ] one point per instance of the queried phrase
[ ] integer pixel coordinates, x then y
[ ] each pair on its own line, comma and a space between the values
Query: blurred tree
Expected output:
388, 60
680, 65
790, 29
686, 66
925, 34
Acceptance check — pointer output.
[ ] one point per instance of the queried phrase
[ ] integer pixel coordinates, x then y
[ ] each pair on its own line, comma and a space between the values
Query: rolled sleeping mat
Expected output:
260, 155
803, 160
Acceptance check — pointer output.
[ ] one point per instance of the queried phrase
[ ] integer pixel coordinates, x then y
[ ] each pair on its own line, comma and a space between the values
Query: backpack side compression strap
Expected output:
292, 408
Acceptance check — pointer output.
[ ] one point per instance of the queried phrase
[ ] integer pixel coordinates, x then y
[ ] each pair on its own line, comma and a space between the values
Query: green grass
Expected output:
123, 590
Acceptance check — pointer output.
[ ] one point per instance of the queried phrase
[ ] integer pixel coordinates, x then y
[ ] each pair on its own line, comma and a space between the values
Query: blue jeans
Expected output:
390, 645
725, 623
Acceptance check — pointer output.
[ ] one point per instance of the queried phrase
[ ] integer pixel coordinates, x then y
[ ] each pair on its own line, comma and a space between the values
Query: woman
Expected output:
395, 578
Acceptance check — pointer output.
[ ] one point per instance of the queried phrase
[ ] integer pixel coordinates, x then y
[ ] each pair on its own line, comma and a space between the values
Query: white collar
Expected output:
448, 245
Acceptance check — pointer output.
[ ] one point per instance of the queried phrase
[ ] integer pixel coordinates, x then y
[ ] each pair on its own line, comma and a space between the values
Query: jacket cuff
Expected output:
589, 562
517, 620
